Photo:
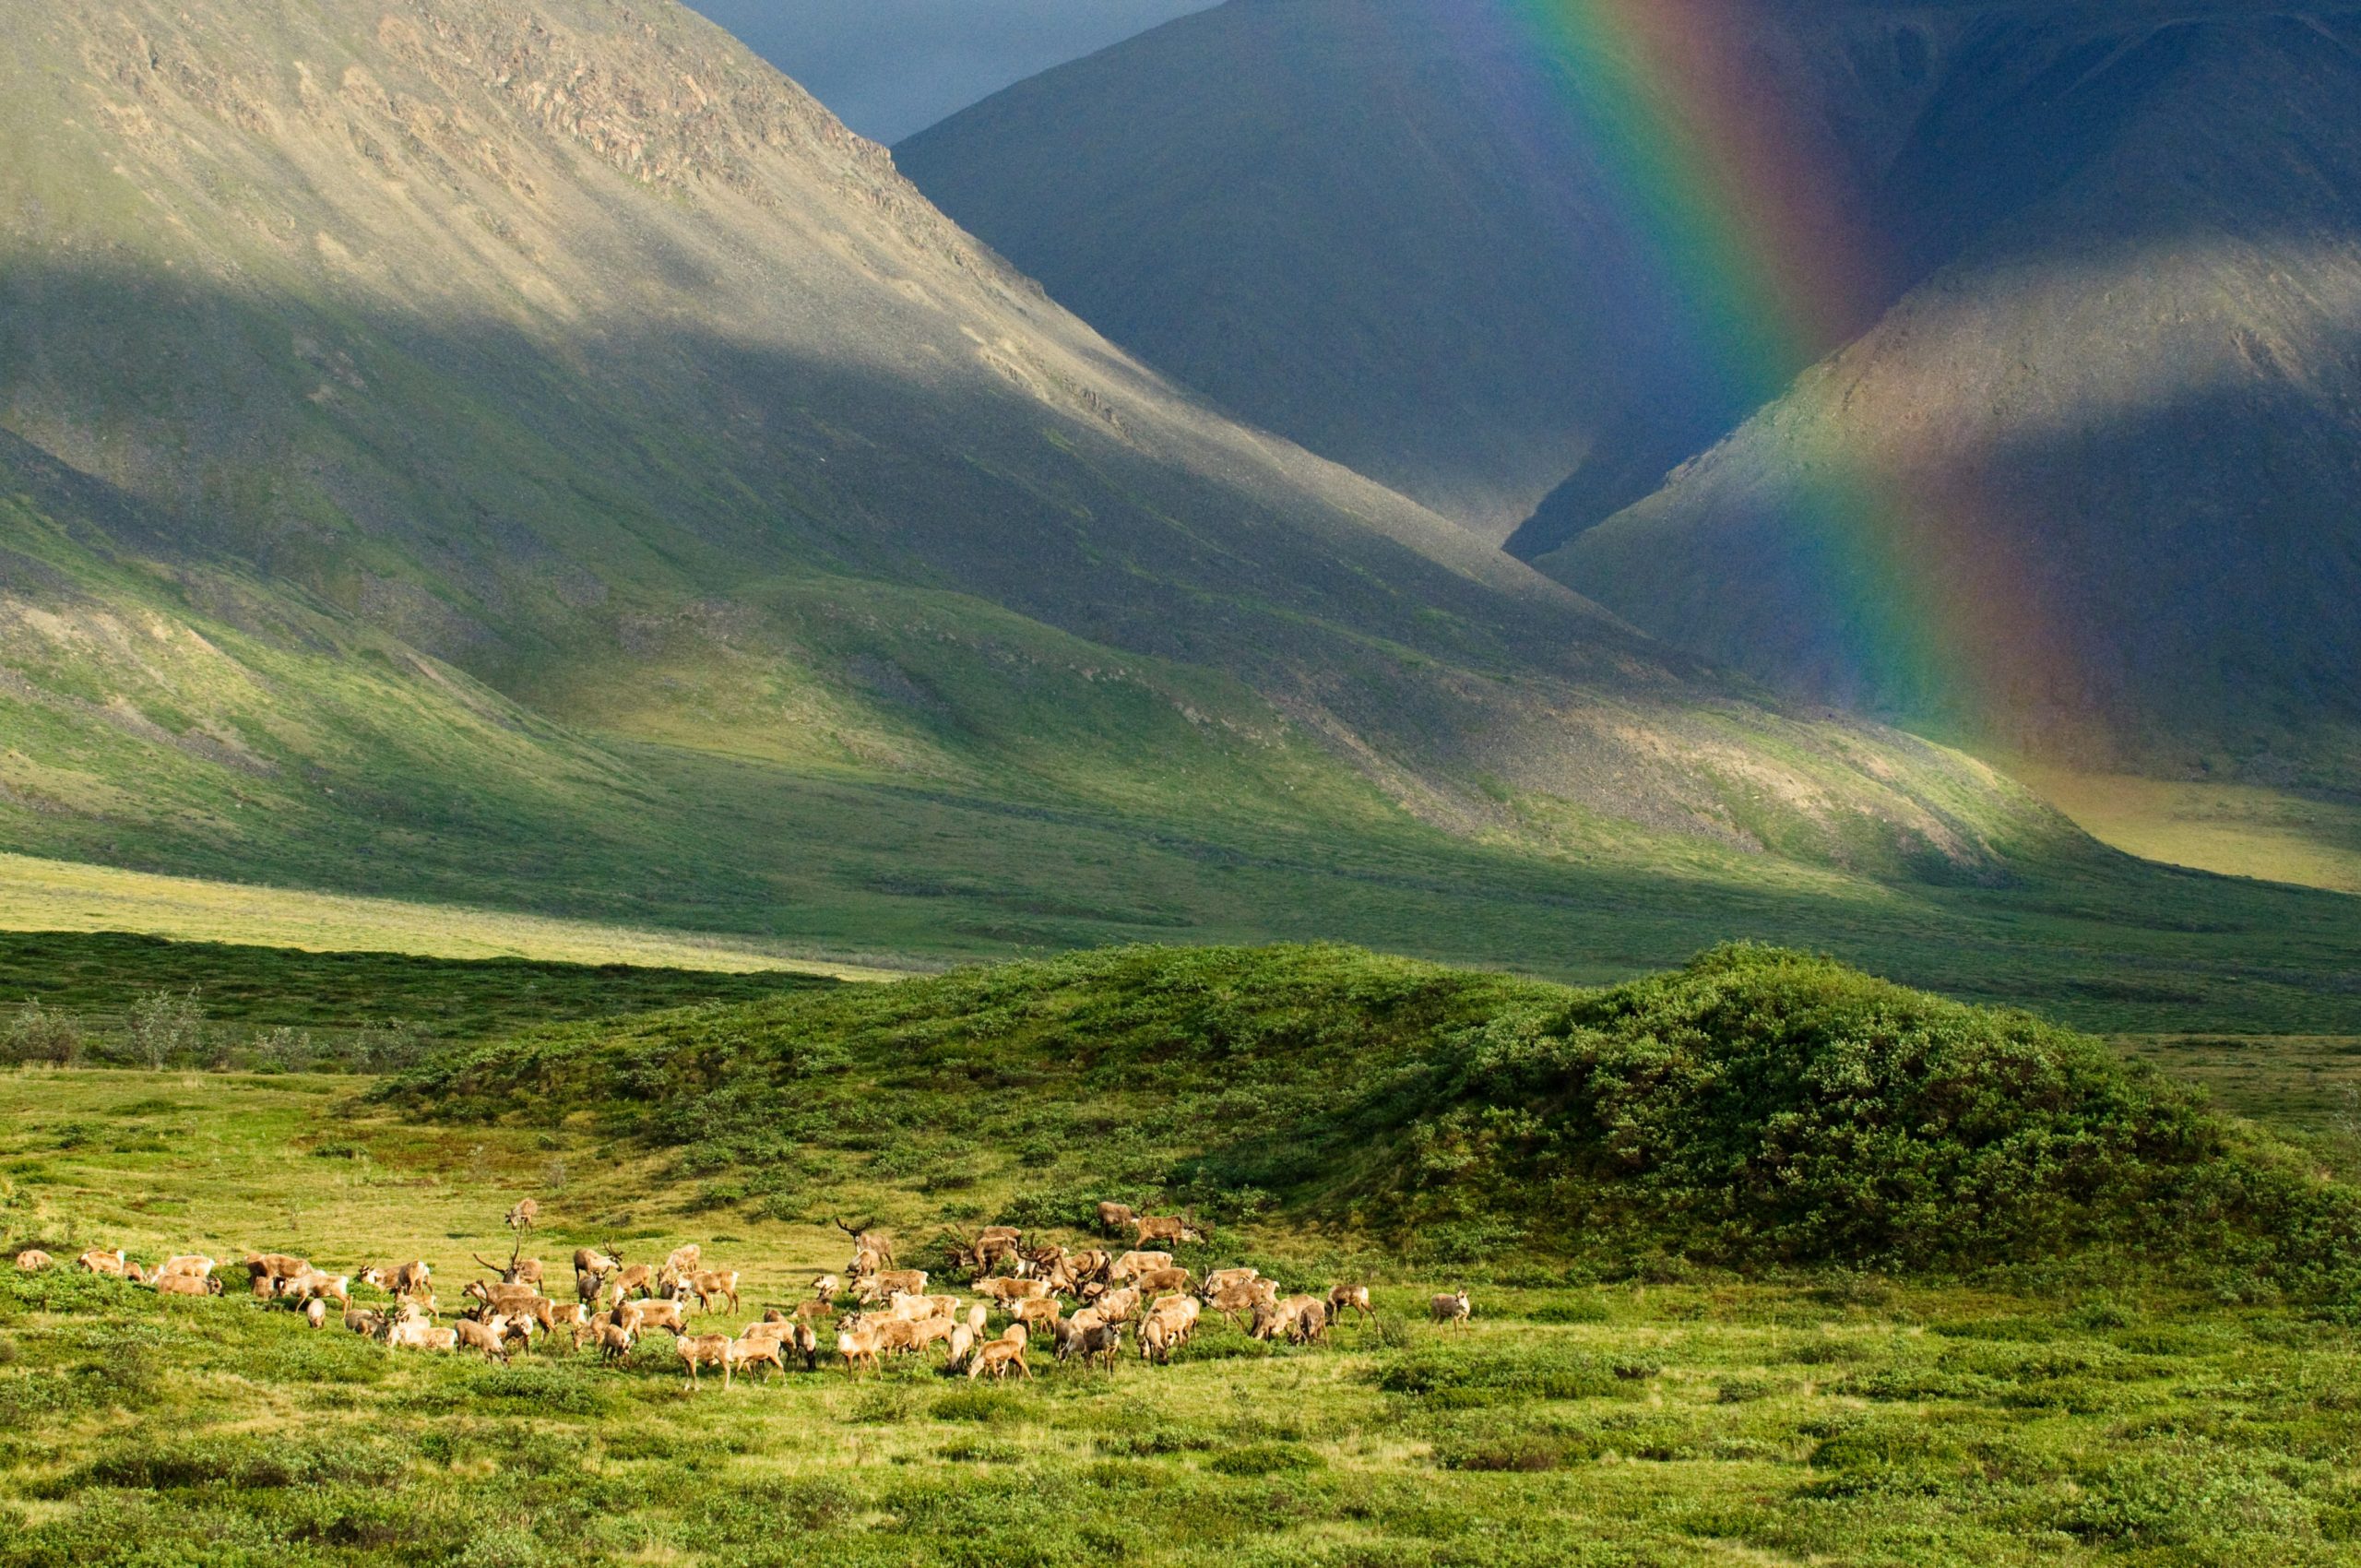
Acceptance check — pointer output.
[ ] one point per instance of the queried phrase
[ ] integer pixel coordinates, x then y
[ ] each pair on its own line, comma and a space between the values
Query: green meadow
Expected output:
2126, 1339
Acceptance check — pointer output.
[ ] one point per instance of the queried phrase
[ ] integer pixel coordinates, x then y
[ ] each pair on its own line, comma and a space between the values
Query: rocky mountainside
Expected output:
529, 449
2089, 490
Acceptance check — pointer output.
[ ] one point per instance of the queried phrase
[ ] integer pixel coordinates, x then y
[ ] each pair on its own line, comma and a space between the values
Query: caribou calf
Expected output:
301, 1289
715, 1284
275, 1265
881, 1286
1343, 1299
858, 1342
1454, 1307
1136, 1262
1165, 1227
489, 1337
996, 1357
417, 1334
700, 1351
641, 1316
789, 1336
398, 1278
752, 1350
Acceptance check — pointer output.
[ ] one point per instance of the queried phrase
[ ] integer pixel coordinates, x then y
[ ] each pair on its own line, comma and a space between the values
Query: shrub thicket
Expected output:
1756, 1107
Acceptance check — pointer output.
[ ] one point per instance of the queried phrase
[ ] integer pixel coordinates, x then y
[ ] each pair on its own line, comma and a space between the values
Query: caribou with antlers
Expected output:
872, 1249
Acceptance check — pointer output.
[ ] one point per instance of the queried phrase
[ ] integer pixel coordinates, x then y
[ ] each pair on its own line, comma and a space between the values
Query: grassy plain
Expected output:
855, 878
2302, 1086
63, 895
1835, 1417
2233, 829
92, 983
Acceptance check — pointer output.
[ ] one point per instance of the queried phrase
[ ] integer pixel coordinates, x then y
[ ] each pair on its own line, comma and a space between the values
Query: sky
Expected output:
892, 67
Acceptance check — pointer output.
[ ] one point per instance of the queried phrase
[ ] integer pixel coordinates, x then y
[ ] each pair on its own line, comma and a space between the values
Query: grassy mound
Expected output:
1756, 1107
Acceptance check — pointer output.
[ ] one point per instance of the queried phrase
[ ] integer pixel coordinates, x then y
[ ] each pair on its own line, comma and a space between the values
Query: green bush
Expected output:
976, 1405
1264, 1459
556, 1391
1577, 1309
1449, 1378
1162, 1438
53, 1036
1755, 1109
245, 1463
2193, 1494
1516, 1452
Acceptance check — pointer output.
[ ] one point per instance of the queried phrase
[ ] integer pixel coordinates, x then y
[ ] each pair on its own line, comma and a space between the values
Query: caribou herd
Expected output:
1078, 1304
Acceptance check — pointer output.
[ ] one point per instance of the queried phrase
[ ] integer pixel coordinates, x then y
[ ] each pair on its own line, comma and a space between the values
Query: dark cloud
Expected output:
892, 67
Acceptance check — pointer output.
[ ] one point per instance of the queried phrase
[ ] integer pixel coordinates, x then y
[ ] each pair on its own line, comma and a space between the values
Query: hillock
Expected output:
1755, 1109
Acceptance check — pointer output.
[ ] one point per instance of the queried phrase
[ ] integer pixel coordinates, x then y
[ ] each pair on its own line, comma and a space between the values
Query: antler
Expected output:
488, 1264
850, 1230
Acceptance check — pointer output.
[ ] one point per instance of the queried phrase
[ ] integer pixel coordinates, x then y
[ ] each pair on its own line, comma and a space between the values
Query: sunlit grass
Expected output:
2233, 829
1846, 1418
41, 894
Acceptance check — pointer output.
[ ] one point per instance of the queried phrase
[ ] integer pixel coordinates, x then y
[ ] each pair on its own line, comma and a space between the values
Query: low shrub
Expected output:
1264, 1459
1449, 1378
244, 1462
2191, 1494
1755, 1109
556, 1391
1529, 1452
1576, 1309
976, 1405
1154, 1442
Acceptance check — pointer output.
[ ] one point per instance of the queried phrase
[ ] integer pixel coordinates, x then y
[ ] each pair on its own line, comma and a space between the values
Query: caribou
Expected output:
1168, 1228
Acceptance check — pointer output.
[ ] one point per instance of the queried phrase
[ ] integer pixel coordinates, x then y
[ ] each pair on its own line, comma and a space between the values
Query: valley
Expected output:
2233, 829
1687, 667
1987, 366
2085, 1410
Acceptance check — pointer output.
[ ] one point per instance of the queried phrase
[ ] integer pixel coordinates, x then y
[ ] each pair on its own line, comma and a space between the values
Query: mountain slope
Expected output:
527, 452
1403, 233
2114, 436
2088, 492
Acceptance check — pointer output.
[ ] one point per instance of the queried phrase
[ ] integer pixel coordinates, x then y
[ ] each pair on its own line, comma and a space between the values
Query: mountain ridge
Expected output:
2114, 441
538, 425
1938, 175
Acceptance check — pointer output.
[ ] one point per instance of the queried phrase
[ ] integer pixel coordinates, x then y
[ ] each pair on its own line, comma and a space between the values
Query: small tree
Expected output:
391, 1046
165, 1026
282, 1050
40, 1034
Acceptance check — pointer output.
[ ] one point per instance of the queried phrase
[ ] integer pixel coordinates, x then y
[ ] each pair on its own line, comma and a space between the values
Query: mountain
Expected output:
2087, 491
890, 68
2039, 322
1402, 233
527, 452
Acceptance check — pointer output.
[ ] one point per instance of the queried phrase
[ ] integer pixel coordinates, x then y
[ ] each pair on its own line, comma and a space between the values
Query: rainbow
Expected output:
1743, 207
